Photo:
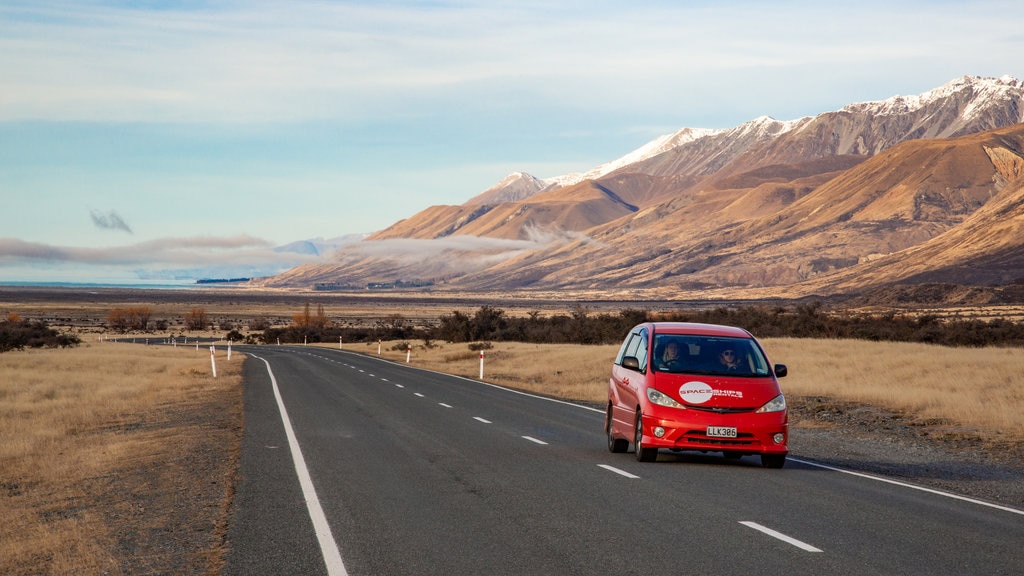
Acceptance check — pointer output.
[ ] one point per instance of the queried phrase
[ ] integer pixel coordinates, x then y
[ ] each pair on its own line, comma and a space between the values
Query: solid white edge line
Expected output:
911, 486
780, 536
617, 471
535, 441
328, 548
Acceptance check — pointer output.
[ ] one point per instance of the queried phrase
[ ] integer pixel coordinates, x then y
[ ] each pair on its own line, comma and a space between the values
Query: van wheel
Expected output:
615, 445
773, 460
643, 454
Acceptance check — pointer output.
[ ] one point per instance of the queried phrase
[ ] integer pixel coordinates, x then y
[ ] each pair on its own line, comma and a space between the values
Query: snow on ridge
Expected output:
653, 148
764, 126
984, 90
514, 176
761, 127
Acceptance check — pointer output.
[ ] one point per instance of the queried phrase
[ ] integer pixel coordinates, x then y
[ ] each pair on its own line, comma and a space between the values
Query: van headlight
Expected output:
777, 404
662, 399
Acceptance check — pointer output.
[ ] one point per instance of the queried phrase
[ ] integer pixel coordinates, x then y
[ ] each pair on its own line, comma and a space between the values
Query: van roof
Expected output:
699, 329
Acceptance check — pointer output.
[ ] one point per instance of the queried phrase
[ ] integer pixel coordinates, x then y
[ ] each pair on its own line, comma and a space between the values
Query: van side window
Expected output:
636, 346
641, 353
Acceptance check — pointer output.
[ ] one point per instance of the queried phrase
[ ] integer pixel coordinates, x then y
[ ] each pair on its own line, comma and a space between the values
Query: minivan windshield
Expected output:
693, 354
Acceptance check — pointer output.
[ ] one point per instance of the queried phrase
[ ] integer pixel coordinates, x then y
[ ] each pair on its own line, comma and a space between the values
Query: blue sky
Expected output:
153, 140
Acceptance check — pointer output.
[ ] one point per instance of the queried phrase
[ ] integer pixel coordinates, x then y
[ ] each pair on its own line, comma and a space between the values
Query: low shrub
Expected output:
17, 334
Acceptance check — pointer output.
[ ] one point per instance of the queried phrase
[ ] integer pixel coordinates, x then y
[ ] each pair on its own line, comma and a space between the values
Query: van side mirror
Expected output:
631, 362
780, 370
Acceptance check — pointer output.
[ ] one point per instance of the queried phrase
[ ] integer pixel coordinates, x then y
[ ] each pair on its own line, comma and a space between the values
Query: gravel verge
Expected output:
898, 446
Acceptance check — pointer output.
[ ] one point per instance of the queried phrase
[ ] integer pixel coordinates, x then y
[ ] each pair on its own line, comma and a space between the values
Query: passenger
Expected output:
729, 360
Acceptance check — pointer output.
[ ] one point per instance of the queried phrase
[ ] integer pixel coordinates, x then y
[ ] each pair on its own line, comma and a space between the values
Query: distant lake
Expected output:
87, 285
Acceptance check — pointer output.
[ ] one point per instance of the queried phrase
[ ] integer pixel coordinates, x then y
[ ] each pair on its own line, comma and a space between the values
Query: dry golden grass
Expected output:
116, 459
981, 389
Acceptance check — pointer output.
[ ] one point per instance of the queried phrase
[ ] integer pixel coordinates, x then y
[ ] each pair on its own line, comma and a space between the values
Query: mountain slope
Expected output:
574, 208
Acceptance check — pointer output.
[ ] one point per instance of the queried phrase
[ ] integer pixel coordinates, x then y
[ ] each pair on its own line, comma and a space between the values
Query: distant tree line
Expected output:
18, 334
811, 321
581, 326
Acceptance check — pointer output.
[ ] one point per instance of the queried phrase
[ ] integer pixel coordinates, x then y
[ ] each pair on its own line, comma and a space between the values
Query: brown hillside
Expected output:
788, 232
987, 249
433, 222
575, 208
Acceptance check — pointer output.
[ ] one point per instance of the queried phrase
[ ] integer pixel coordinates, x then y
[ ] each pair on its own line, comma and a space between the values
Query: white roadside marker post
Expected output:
339, 342
229, 350
213, 361
378, 347
481, 364
408, 353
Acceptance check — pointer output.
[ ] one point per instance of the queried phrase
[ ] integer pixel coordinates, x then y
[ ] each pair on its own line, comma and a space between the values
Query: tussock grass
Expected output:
103, 446
977, 389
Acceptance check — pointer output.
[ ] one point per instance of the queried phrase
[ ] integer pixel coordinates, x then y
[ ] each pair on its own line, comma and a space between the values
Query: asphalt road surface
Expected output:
376, 468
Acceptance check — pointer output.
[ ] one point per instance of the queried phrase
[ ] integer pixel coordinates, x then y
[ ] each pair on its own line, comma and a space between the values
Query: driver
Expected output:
670, 357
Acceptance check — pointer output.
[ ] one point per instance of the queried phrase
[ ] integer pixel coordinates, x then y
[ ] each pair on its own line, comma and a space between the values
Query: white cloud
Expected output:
275, 61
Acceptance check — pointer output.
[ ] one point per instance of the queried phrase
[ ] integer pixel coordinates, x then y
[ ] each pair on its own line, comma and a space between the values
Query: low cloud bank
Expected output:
415, 248
248, 256
457, 253
204, 256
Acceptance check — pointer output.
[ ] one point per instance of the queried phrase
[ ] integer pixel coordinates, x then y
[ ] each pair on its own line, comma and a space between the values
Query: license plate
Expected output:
721, 432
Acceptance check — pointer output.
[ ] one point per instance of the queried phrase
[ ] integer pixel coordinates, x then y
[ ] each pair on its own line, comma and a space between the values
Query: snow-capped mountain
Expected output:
962, 106
512, 188
909, 189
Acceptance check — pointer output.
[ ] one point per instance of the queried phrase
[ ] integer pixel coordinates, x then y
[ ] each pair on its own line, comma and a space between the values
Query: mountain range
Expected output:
907, 191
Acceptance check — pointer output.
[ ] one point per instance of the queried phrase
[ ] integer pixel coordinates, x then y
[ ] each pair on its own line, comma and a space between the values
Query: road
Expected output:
377, 468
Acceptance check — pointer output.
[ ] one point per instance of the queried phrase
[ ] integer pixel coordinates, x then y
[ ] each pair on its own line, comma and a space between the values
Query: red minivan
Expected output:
705, 387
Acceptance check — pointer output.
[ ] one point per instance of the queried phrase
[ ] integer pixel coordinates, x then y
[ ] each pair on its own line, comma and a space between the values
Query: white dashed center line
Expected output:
781, 536
617, 471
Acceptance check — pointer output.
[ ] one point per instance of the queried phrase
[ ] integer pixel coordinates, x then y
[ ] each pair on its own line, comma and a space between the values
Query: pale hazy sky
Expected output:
142, 137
